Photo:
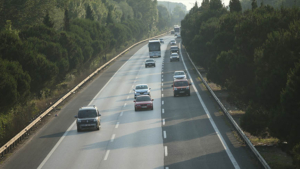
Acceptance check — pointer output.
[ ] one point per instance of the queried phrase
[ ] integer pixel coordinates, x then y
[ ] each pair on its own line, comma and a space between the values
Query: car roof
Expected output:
174, 47
141, 85
179, 71
149, 59
91, 107
174, 53
153, 41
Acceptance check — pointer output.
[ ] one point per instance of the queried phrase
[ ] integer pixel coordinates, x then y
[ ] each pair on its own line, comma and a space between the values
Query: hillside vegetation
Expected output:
45, 44
254, 55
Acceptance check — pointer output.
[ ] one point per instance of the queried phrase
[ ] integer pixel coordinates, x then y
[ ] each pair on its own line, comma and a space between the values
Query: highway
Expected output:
181, 132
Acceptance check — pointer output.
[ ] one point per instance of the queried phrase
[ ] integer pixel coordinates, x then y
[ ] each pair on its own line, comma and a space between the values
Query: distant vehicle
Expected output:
174, 49
177, 29
141, 89
149, 62
174, 56
179, 75
161, 40
173, 42
181, 86
175, 34
178, 36
172, 32
154, 48
143, 102
88, 118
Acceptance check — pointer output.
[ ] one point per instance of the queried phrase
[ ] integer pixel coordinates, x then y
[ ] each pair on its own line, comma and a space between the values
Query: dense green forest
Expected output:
246, 4
46, 43
254, 55
176, 10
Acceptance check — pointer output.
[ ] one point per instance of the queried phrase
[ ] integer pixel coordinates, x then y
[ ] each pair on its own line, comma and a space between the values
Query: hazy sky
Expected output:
190, 3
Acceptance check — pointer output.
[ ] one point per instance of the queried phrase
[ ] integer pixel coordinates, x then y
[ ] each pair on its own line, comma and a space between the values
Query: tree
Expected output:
205, 5
254, 4
47, 21
109, 18
215, 4
235, 6
89, 13
66, 21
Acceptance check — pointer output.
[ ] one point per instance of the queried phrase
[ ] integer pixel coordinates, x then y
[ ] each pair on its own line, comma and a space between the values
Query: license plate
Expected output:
144, 107
181, 92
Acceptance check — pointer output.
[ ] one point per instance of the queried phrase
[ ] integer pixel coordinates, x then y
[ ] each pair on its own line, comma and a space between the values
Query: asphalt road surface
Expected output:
181, 132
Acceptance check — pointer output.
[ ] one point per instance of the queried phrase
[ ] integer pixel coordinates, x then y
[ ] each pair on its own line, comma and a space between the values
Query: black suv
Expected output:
88, 118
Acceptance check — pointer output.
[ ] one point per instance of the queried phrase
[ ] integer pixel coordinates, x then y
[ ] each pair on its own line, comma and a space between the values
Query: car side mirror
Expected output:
99, 114
134, 101
152, 99
150, 88
76, 117
190, 84
172, 85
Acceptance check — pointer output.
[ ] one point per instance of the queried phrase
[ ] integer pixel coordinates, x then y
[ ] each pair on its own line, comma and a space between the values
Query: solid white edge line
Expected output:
117, 125
112, 138
55, 147
166, 151
231, 157
106, 155
164, 122
165, 134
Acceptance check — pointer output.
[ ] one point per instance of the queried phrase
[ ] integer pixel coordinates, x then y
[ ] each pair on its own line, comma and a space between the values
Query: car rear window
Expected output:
179, 73
181, 83
149, 60
87, 113
141, 87
143, 98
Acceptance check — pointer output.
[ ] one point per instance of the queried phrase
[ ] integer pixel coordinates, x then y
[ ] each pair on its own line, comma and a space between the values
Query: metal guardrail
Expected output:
6, 148
236, 126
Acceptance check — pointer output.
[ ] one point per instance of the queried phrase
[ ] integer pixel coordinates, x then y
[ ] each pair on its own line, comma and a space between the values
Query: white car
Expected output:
141, 89
173, 42
174, 56
179, 75
149, 62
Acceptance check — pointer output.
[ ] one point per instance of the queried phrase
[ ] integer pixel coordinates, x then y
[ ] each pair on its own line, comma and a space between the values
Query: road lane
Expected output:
138, 140
192, 141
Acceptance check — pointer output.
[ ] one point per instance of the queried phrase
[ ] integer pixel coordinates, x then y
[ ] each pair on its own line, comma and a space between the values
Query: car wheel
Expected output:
170, 60
189, 93
174, 94
98, 127
78, 129
135, 109
154, 65
152, 108
145, 66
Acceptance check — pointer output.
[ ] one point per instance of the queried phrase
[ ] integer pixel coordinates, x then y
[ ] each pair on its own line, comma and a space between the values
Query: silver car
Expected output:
149, 62
174, 56
88, 118
173, 42
179, 75
141, 89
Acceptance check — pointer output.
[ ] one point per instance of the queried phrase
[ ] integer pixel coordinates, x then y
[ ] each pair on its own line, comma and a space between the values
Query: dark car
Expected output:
88, 118
181, 86
143, 102
149, 62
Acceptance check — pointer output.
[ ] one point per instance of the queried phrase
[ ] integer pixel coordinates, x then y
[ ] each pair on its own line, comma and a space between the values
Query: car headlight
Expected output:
78, 120
175, 88
95, 120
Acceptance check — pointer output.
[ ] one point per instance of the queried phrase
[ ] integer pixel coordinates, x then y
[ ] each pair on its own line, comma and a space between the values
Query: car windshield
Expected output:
154, 46
141, 87
149, 60
174, 54
181, 83
143, 98
87, 113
